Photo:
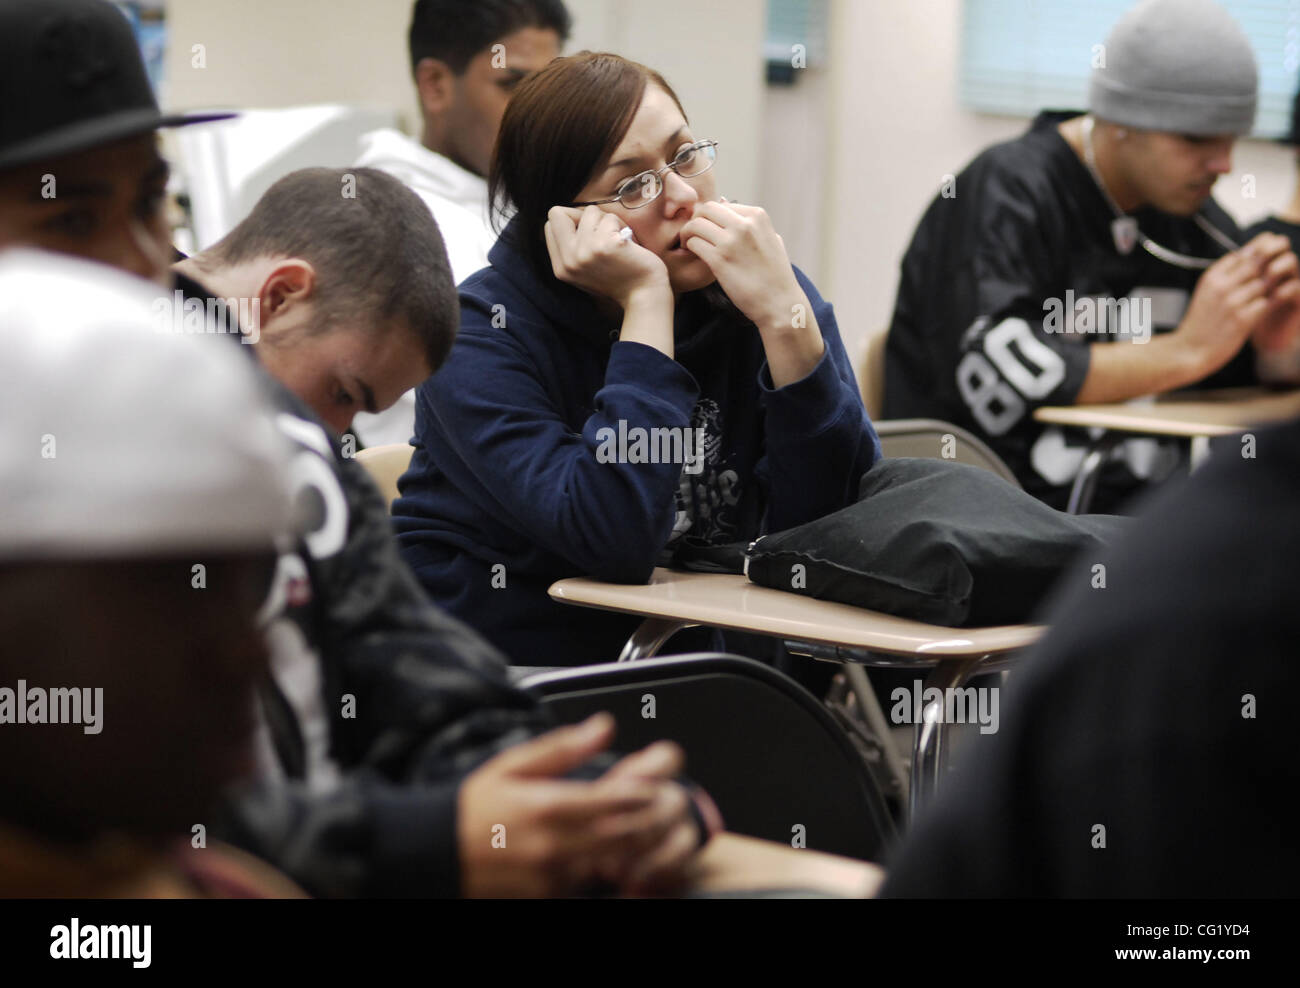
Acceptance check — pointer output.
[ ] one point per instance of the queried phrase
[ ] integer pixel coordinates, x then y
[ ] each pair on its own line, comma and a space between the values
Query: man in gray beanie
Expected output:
1178, 66
1086, 261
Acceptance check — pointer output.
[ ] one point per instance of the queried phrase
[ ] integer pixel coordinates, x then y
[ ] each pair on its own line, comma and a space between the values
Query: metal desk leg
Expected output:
649, 637
1085, 482
876, 720
1200, 452
928, 749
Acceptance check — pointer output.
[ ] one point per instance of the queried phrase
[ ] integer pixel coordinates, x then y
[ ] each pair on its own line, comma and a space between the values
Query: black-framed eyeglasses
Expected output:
641, 190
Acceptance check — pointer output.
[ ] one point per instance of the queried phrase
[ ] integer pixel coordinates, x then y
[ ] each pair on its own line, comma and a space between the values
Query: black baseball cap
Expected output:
71, 79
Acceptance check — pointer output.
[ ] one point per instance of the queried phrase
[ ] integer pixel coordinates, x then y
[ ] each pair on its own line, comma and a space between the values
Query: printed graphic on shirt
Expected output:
1057, 457
708, 495
1008, 369
1089, 318
286, 613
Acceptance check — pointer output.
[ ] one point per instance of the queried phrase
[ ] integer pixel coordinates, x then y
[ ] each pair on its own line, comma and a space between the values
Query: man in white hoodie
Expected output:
467, 56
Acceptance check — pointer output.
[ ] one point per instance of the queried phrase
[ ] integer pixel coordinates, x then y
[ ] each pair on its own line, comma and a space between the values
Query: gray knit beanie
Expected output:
1179, 66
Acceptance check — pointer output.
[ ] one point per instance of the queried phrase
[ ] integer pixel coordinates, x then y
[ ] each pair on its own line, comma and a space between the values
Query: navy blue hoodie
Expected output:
528, 466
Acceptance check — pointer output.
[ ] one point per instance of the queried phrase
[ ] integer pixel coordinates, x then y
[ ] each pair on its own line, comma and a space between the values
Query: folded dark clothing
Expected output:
936, 541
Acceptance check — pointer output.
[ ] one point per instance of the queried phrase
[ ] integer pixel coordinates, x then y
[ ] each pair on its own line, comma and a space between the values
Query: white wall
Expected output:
275, 53
899, 129
796, 136
710, 51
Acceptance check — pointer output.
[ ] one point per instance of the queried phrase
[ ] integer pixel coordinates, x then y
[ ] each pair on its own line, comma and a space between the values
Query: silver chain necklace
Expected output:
1125, 228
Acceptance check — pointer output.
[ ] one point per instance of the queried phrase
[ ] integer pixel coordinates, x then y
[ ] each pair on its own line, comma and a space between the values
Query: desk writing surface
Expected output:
735, 863
724, 600
1184, 414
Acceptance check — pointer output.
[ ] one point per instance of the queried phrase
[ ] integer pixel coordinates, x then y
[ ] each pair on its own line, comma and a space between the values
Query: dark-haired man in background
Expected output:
467, 57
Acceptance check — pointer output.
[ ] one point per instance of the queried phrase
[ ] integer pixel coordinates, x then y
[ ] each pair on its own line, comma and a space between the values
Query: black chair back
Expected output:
771, 756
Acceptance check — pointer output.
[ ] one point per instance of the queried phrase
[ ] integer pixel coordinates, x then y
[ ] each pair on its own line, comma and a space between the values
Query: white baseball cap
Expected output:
119, 438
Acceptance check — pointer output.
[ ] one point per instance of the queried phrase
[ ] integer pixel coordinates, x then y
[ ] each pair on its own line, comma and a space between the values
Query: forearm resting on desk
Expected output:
1120, 371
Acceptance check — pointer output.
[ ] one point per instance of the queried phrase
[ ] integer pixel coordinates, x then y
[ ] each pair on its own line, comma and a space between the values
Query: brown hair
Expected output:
560, 125
378, 252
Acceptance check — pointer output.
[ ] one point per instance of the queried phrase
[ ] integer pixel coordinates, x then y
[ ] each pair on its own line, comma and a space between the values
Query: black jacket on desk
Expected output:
1147, 747
997, 269
364, 804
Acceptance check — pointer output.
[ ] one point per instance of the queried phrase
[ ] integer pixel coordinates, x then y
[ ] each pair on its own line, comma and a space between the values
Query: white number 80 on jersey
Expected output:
1015, 365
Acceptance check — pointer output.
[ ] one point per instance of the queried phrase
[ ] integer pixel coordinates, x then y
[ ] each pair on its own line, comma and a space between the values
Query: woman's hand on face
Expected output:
587, 251
747, 256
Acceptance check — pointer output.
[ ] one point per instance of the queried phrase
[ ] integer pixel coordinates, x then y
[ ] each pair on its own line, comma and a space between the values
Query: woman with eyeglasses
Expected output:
640, 368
